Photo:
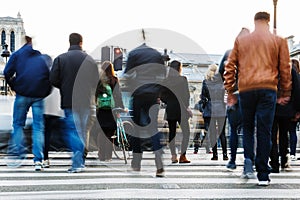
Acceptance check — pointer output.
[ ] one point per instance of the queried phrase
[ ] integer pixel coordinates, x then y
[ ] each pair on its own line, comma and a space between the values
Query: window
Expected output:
12, 41
3, 38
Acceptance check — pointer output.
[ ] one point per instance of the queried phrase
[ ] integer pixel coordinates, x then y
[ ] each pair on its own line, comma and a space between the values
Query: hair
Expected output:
243, 32
212, 70
75, 39
108, 72
28, 39
176, 65
262, 16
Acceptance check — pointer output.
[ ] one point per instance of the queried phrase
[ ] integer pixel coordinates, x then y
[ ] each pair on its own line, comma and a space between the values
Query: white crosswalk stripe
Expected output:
200, 179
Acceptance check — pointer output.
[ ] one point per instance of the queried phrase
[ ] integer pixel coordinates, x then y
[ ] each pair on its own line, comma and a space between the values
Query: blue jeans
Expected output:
75, 131
235, 120
21, 108
293, 137
258, 109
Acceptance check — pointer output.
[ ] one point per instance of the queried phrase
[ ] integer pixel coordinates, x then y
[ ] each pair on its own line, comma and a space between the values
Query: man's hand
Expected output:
231, 99
283, 100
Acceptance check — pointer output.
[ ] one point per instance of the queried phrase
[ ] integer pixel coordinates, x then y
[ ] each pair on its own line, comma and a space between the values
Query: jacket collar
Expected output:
75, 47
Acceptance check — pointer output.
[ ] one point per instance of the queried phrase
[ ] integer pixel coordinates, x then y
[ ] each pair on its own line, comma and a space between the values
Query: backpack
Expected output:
105, 99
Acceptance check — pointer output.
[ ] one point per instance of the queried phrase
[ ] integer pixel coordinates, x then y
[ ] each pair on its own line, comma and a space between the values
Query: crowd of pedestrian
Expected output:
255, 88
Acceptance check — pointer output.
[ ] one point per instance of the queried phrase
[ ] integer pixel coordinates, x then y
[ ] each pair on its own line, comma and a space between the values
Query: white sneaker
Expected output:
46, 163
248, 175
287, 168
293, 158
38, 166
263, 183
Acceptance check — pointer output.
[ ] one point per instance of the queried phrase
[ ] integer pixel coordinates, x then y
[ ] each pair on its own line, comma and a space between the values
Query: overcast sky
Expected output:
210, 24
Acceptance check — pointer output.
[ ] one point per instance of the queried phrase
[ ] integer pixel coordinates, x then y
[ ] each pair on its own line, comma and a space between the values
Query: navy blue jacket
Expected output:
145, 67
27, 73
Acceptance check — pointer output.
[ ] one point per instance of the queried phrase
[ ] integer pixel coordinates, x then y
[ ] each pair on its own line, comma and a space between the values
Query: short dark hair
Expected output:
28, 39
175, 65
262, 16
75, 38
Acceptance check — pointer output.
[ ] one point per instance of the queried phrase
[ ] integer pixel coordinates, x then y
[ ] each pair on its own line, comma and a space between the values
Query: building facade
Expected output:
12, 32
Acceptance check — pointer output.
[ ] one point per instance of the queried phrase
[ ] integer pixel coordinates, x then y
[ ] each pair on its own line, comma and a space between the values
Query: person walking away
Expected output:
262, 61
145, 71
27, 73
175, 93
281, 124
233, 112
76, 75
215, 110
104, 113
295, 119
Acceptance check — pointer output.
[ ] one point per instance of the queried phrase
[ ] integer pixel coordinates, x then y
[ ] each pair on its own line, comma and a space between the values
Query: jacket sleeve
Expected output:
230, 69
186, 91
285, 80
55, 73
10, 70
118, 95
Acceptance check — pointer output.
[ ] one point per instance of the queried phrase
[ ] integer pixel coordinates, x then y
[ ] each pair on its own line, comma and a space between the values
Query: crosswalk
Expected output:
200, 179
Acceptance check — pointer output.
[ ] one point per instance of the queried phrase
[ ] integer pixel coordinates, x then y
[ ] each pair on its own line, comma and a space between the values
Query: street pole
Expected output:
275, 15
5, 54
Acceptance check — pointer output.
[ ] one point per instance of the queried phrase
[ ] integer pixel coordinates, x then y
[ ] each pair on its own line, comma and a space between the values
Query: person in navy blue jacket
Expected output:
27, 73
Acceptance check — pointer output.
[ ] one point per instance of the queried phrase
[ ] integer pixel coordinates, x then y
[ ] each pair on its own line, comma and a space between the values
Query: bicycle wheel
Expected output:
120, 149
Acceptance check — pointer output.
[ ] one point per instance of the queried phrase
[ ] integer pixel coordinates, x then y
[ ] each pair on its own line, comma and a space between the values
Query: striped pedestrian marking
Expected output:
201, 179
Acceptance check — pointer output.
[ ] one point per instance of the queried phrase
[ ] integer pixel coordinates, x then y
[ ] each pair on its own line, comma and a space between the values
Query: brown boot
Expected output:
183, 159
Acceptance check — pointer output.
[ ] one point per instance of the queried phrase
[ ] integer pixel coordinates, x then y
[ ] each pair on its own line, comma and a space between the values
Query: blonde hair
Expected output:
212, 70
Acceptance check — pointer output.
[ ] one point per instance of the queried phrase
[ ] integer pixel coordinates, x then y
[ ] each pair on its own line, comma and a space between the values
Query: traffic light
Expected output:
117, 58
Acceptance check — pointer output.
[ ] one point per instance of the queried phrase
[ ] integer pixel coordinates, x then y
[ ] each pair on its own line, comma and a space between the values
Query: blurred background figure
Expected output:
105, 115
214, 112
175, 93
145, 71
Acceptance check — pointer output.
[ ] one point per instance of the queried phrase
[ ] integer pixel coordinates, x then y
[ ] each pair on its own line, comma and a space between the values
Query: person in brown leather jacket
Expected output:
262, 62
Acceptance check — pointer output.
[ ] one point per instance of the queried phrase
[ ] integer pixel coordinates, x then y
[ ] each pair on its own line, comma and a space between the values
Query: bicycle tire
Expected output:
120, 150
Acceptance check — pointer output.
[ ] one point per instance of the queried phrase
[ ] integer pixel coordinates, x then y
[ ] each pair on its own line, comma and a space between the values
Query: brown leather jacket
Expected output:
259, 58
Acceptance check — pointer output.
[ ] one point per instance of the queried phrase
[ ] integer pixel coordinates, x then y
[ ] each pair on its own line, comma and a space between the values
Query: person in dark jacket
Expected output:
284, 115
27, 73
295, 119
214, 112
176, 95
145, 71
76, 75
105, 117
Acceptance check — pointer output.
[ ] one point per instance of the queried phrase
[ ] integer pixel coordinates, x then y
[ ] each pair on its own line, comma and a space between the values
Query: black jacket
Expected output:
76, 75
144, 70
290, 109
175, 93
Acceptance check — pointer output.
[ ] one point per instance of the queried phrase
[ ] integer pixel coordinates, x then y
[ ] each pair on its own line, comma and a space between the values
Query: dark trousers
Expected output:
145, 114
293, 137
281, 125
104, 142
217, 131
258, 109
235, 120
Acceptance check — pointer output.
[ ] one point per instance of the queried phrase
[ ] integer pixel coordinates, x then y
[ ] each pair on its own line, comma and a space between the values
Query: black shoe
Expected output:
225, 157
214, 158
